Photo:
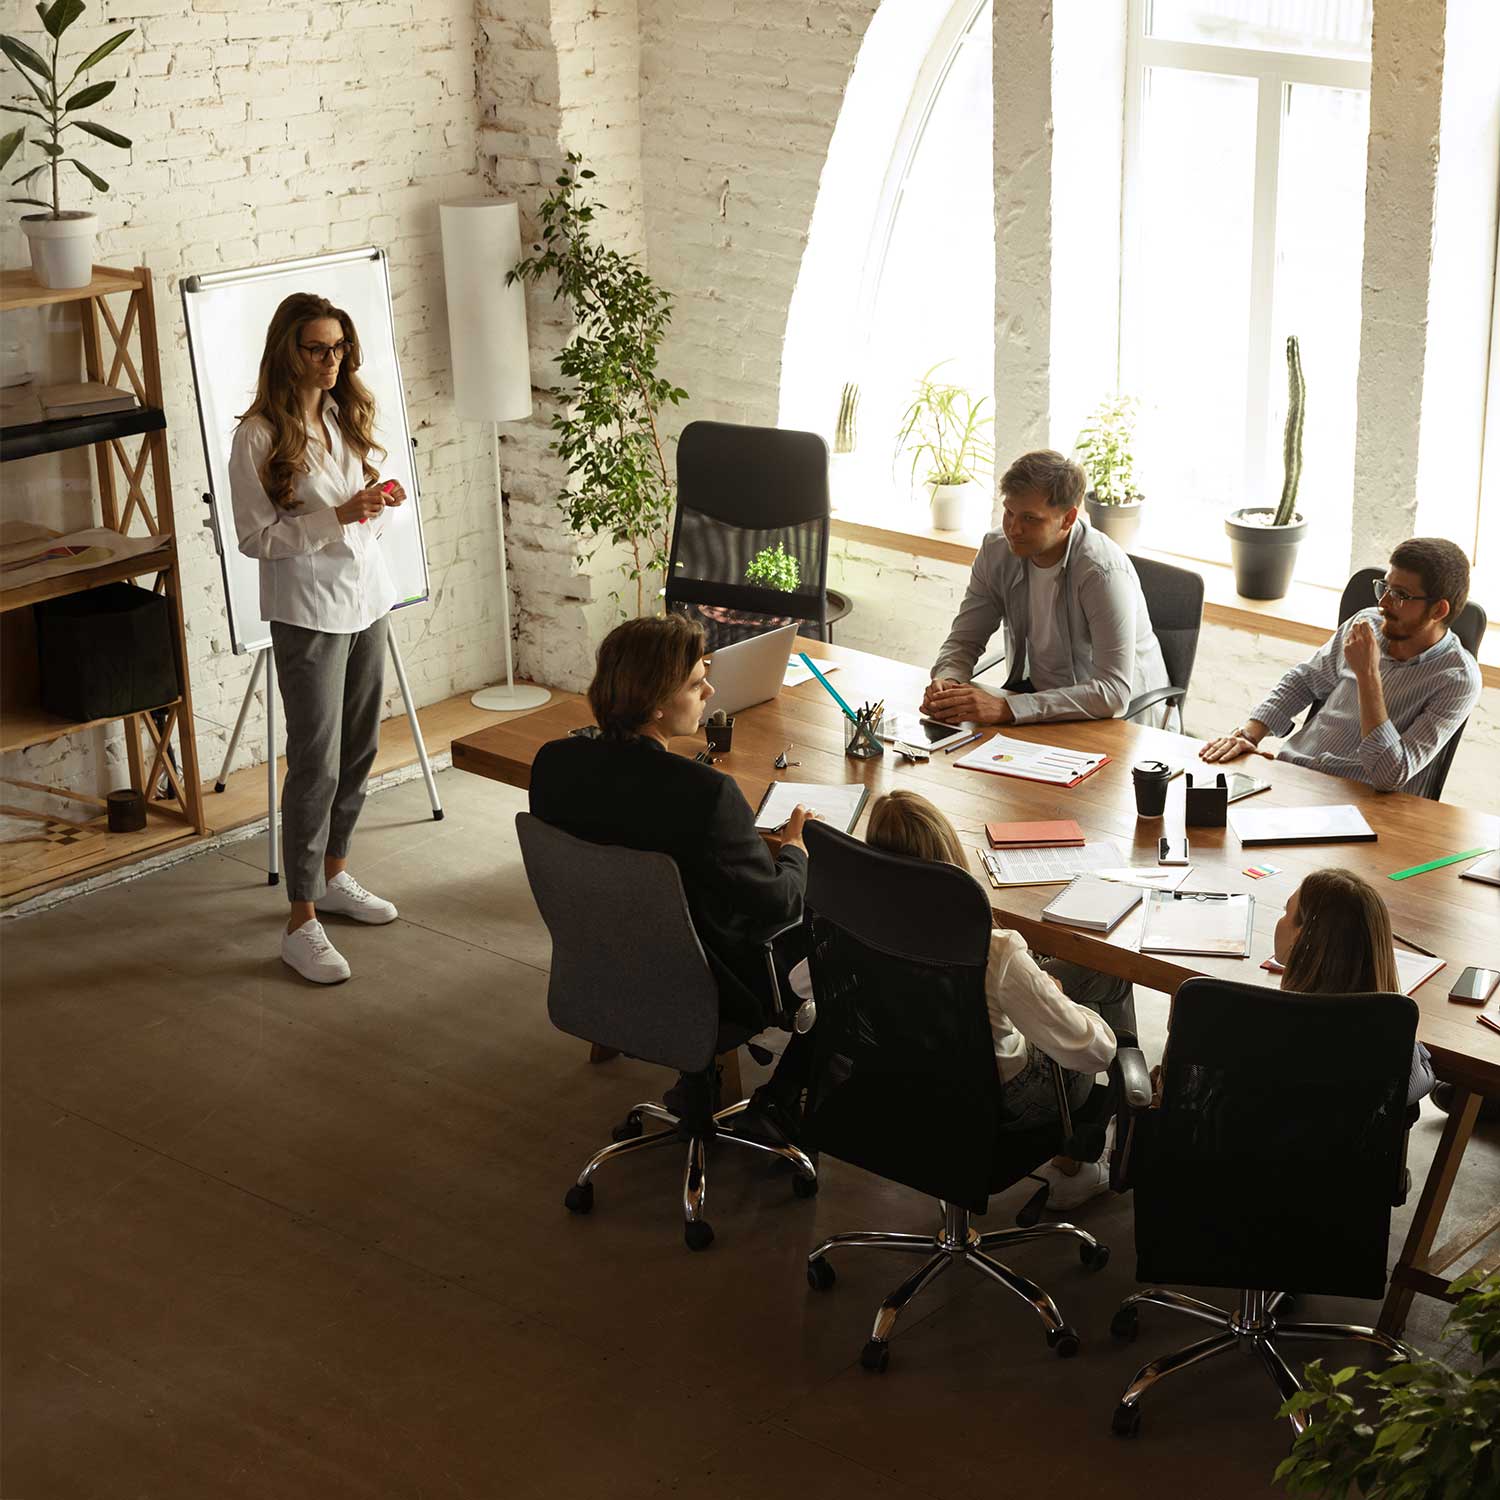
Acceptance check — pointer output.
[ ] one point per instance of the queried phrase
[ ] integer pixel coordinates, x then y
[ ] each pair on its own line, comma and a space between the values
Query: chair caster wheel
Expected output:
820, 1274
698, 1233
1125, 1324
1094, 1257
1126, 1422
875, 1356
580, 1198
1063, 1341
805, 1187
628, 1128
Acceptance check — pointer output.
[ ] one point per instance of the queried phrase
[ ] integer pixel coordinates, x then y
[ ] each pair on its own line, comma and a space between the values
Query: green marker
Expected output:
1436, 864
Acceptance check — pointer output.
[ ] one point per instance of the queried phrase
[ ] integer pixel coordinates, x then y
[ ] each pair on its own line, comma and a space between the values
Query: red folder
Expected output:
1064, 833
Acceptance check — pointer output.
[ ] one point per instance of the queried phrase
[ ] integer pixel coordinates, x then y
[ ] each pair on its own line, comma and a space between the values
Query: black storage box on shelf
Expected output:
106, 652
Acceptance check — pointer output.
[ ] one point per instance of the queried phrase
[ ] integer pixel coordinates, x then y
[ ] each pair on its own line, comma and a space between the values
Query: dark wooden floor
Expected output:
263, 1239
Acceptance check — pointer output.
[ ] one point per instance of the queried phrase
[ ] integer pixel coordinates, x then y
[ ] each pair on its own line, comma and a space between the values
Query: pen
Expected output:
1415, 947
968, 739
832, 691
1489, 1021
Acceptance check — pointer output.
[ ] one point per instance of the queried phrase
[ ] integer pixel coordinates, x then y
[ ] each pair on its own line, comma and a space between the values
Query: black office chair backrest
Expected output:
741, 490
1469, 627
904, 1082
628, 970
1174, 599
1276, 1153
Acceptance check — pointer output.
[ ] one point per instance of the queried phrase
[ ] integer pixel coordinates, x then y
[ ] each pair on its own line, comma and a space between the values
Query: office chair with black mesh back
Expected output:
1469, 627
741, 490
1271, 1164
1174, 600
628, 972
904, 1081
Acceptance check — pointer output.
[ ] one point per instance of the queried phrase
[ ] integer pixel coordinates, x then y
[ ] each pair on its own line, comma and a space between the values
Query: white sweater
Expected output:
1025, 1006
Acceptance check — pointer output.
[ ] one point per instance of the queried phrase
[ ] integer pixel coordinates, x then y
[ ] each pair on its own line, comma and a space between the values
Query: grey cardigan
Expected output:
1103, 618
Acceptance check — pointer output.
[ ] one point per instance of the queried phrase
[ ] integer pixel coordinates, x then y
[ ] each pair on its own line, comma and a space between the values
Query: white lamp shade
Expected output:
486, 318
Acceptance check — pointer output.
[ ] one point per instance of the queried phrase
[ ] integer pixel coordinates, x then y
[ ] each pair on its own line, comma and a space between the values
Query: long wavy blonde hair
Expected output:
282, 366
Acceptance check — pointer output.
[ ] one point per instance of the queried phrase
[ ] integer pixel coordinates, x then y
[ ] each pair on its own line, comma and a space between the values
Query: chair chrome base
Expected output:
957, 1241
630, 1137
1253, 1327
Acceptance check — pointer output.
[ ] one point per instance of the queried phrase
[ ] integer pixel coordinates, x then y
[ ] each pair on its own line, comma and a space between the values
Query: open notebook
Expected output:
839, 805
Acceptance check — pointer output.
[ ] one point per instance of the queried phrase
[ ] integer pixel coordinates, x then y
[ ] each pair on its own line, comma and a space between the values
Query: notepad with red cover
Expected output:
1061, 833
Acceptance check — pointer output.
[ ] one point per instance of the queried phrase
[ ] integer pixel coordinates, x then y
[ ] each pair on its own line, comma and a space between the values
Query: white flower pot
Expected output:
62, 250
954, 506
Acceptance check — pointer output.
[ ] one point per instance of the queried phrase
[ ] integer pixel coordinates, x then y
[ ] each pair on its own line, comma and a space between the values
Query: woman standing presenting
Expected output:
309, 504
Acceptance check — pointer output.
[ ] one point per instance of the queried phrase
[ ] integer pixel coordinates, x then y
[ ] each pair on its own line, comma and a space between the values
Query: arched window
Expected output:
899, 273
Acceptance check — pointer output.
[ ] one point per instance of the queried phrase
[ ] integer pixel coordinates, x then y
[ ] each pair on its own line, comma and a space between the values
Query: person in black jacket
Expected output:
625, 787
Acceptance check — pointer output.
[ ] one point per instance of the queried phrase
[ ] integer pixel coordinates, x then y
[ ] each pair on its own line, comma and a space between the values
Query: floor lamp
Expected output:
491, 364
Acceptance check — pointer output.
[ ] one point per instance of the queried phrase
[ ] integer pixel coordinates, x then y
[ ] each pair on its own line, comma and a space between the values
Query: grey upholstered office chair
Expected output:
1469, 627
741, 490
1174, 600
628, 972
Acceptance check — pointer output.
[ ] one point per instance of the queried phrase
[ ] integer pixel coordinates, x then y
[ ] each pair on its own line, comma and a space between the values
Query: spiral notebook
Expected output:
1098, 905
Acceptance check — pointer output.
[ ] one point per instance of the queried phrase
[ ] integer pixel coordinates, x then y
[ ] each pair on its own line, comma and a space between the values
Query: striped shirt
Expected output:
1427, 700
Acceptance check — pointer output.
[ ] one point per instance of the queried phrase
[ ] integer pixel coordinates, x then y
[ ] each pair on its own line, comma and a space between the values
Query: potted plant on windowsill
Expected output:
61, 241
1104, 448
946, 426
1263, 541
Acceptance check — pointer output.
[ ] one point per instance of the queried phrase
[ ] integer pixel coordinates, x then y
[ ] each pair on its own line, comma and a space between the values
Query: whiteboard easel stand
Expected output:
498, 699
264, 656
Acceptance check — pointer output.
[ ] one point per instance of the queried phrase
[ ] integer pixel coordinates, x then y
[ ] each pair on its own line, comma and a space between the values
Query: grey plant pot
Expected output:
1118, 522
1263, 556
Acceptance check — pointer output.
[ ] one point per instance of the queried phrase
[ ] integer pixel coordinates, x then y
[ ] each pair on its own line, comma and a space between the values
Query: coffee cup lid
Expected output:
1151, 767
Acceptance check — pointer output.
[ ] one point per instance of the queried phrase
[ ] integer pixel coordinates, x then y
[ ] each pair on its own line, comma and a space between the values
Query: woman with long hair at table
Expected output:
310, 505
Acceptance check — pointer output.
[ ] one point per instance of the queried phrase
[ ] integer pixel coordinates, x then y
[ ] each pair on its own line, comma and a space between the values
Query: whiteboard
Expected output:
227, 314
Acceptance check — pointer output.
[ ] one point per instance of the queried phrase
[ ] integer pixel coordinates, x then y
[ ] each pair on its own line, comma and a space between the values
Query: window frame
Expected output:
1274, 73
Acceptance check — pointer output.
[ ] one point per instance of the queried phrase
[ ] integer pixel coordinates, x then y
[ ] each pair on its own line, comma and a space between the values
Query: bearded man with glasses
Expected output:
1394, 684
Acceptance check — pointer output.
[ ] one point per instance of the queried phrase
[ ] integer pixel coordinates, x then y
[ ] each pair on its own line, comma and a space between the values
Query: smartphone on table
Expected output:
1474, 986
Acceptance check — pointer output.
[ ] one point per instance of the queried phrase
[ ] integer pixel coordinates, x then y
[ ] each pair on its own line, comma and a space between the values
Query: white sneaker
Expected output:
346, 897
310, 953
1065, 1192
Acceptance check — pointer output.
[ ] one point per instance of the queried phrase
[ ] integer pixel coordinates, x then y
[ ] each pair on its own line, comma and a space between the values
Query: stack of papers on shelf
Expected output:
1028, 762
30, 558
89, 398
1413, 969
1095, 904
1046, 866
839, 805
1340, 823
1063, 833
1205, 922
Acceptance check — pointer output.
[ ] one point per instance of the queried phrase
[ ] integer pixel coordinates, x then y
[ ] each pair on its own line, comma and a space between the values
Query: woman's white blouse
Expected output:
314, 571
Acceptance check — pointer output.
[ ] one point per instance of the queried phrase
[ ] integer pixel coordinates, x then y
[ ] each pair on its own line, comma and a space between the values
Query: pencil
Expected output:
968, 739
832, 691
1415, 947
1489, 1021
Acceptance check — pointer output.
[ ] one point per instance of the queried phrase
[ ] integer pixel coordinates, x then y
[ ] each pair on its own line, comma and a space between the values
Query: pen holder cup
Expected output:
720, 736
863, 742
1206, 806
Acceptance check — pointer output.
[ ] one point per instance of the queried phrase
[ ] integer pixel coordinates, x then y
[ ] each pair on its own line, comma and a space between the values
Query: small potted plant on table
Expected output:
1263, 541
1104, 448
947, 427
61, 241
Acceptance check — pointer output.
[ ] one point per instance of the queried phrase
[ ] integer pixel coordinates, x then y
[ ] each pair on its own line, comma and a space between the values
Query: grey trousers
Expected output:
1030, 1098
331, 690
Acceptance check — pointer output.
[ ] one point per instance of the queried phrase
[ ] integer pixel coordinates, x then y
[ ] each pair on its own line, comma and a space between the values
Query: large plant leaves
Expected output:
34, 202
102, 51
25, 58
93, 177
103, 132
91, 95
10, 143
60, 15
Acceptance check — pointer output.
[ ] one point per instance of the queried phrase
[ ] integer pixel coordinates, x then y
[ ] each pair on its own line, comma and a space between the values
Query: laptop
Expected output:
749, 672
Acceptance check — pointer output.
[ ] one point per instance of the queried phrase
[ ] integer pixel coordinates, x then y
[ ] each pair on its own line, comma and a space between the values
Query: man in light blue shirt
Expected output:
1077, 630
1394, 683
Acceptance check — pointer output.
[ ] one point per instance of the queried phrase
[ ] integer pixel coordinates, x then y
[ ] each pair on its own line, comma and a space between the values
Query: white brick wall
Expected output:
265, 131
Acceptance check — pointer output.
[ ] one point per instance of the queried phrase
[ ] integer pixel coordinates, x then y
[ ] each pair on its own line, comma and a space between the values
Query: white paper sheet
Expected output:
1047, 866
837, 805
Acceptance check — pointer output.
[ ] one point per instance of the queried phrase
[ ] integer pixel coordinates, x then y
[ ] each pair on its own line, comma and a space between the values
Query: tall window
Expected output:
1246, 132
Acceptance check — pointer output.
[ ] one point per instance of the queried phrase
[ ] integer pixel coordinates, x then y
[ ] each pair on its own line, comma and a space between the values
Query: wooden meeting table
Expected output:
1458, 920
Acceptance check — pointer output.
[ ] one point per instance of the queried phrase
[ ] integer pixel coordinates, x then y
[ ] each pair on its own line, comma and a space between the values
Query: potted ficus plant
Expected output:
948, 429
1104, 448
775, 568
61, 240
1263, 540
1415, 1430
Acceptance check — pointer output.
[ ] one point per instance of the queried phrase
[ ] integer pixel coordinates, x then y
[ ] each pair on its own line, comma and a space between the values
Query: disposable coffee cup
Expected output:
1151, 778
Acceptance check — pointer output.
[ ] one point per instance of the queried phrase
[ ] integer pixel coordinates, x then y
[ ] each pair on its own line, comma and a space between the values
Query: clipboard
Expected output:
1213, 924
840, 804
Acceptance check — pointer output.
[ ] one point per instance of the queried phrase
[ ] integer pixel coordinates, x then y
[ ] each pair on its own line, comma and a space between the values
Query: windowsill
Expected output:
1308, 613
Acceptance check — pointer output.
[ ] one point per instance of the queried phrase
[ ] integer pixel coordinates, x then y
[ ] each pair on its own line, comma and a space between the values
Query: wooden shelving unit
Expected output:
135, 498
